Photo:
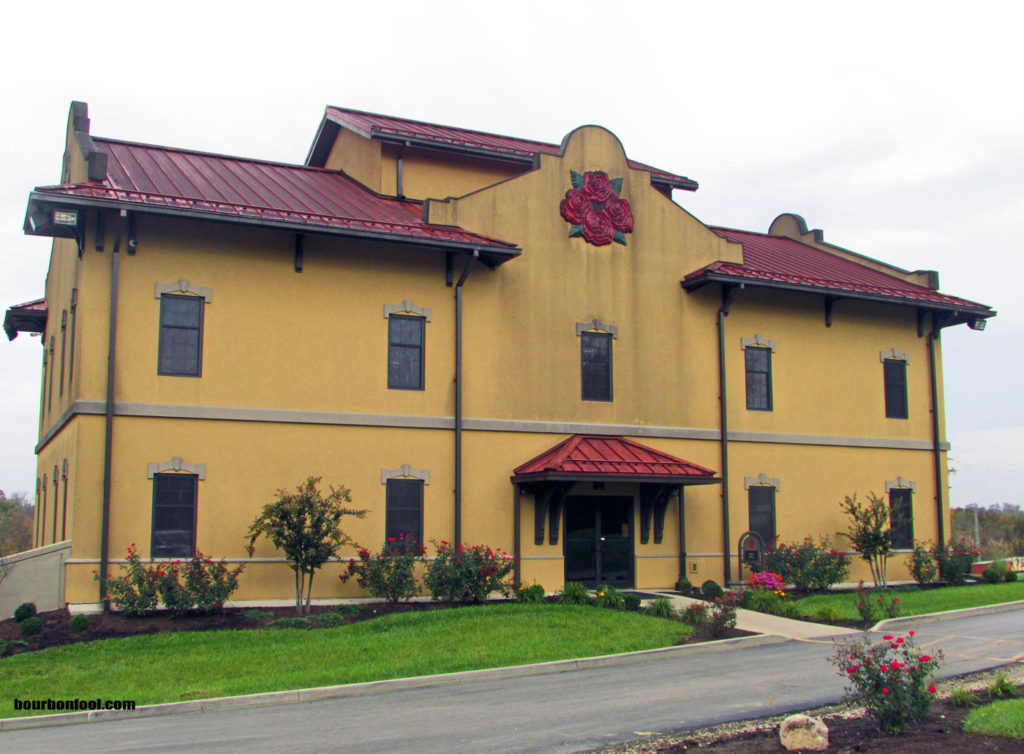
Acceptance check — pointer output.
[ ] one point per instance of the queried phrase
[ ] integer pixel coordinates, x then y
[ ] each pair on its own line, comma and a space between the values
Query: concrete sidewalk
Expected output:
762, 623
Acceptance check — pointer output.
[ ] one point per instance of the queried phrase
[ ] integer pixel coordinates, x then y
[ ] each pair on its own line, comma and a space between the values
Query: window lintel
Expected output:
176, 464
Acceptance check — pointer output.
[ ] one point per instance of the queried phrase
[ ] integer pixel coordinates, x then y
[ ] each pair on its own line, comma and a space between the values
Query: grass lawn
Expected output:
179, 666
915, 601
1002, 718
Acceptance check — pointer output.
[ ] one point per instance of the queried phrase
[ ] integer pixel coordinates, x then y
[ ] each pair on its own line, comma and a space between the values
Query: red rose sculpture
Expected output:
595, 210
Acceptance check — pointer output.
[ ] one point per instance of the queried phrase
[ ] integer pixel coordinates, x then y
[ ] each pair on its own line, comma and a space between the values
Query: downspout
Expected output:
933, 337
115, 261
458, 396
729, 294
517, 536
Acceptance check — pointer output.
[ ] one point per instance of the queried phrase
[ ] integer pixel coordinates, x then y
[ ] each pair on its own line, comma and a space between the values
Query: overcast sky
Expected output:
897, 128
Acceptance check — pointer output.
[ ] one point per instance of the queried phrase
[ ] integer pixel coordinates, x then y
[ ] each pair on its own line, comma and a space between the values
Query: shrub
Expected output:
890, 605
683, 586
1011, 576
532, 594
31, 625
332, 620
24, 610
721, 616
609, 597
173, 595
889, 679
573, 593
711, 590
766, 580
922, 567
78, 624
1002, 688
633, 602
209, 583
388, 575
866, 606
695, 614
962, 698
870, 533
135, 592
807, 566
346, 608
661, 607
293, 622
826, 614
954, 560
467, 573
767, 601
995, 573
254, 616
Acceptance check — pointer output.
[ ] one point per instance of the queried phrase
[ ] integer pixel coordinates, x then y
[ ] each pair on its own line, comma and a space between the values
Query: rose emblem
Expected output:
594, 209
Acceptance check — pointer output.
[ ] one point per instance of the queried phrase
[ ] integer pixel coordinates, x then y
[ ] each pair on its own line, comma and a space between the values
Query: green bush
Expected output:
1003, 688
683, 586
922, 565
826, 614
962, 698
209, 583
609, 597
721, 616
633, 602
573, 593
254, 616
31, 626
135, 592
767, 601
661, 607
954, 560
290, 623
806, 565
332, 620
389, 575
889, 679
533, 594
346, 608
710, 589
1011, 576
695, 614
995, 573
24, 610
467, 573
78, 624
866, 606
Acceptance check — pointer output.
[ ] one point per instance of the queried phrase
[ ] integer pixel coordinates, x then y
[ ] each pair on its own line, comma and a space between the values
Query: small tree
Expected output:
305, 524
869, 533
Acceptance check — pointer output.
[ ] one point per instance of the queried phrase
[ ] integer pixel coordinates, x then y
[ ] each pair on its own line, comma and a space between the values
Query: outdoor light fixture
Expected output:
65, 217
977, 324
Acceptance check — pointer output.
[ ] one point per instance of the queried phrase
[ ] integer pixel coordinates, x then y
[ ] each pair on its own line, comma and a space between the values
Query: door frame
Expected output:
595, 502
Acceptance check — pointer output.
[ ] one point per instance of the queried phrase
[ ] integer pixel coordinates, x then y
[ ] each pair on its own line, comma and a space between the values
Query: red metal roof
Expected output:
609, 455
182, 180
29, 317
782, 260
372, 125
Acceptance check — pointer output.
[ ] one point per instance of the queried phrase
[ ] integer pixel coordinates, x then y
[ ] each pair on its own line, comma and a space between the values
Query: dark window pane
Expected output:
174, 515
895, 389
181, 335
404, 509
596, 360
761, 502
405, 352
901, 518
759, 378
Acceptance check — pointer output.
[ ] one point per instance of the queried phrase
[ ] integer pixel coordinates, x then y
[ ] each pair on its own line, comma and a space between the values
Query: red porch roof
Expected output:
613, 457
28, 317
432, 135
167, 180
779, 261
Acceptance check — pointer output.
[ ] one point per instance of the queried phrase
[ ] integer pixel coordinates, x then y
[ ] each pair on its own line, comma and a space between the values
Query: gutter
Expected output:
458, 396
933, 338
108, 436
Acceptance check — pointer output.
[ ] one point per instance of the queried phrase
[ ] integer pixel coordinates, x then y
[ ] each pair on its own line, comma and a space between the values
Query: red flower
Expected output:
911, 633
926, 658
598, 186
575, 206
620, 214
887, 637
597, 227
852, 669
932, 689
885, 690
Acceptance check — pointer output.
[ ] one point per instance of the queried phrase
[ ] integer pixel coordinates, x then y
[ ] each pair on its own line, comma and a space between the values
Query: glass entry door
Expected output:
599, 540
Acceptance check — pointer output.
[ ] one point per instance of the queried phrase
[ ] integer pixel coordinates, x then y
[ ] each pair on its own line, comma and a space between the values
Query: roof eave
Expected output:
568, 476
491, 255
30, 321
964, 313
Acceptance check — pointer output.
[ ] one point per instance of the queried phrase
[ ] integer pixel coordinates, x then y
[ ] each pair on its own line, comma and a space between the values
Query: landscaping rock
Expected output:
803, 732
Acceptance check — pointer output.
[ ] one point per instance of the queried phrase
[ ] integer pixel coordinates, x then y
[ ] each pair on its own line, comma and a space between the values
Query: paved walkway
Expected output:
762, 623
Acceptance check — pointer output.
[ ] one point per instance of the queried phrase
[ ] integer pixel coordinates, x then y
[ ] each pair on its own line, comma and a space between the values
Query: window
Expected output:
596, 365
759, 378
895, 388
174, 515
405, 352
901, 518
181, 335
761, 501
404, 509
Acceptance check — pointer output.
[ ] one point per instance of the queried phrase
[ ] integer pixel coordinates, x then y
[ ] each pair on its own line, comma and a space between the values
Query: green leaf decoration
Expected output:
619, 237
617, 185
575, 231
577, 179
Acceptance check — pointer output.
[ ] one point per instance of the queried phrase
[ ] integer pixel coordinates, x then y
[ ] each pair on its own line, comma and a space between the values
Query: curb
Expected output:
381, 687
1002, 607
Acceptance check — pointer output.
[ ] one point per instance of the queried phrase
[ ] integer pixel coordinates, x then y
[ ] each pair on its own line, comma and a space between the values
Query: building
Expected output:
488, 339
